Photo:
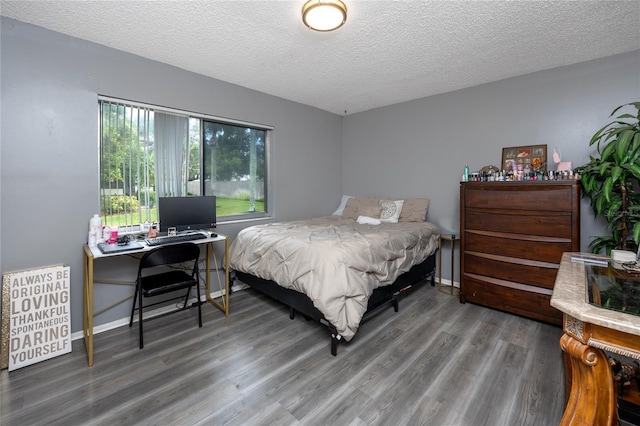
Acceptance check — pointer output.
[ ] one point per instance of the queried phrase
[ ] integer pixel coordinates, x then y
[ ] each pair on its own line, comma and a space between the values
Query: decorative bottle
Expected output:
95, 226
106, 233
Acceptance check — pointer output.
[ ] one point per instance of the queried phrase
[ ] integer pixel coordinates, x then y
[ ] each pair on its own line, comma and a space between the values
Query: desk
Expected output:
452, 238
588, 331
91, 254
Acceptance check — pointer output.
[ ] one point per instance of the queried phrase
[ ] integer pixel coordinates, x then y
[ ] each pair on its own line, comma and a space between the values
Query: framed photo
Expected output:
531, 157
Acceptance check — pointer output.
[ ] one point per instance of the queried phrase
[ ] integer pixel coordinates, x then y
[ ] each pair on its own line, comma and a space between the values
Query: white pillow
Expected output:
342, 205
390, 210
368, 220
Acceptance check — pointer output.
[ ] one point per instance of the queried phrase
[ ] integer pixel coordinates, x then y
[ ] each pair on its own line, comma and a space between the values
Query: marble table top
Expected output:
570, 296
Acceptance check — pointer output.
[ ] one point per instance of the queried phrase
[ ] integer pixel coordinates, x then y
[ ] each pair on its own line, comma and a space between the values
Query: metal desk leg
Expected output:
223, 305
452, 243
87, 320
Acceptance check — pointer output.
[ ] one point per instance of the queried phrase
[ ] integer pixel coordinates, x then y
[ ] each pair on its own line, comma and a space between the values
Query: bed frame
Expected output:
299, 302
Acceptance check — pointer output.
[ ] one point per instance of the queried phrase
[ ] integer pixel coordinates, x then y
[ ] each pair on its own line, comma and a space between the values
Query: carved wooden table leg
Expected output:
591, 399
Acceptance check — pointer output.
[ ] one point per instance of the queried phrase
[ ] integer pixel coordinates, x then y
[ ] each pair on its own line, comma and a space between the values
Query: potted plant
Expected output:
611, 180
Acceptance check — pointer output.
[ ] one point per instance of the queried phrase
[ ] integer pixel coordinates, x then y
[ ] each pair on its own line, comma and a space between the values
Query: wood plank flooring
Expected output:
435, 362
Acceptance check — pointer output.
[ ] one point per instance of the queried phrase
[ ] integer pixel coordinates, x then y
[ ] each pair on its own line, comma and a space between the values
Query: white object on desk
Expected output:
92, 240
623, 256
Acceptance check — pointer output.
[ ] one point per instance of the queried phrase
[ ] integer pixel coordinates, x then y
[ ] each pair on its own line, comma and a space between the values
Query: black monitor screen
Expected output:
187, 213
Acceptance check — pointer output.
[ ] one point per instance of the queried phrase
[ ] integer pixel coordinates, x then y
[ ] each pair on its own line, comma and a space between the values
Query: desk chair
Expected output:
150, 285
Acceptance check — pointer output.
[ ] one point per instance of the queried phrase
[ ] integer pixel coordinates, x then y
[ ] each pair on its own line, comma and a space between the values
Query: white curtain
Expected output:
171, 149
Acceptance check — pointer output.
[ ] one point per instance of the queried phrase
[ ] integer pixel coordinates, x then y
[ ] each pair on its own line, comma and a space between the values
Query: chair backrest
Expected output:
170, 254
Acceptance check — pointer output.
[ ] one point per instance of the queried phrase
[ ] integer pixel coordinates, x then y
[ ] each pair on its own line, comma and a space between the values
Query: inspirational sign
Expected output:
36, 316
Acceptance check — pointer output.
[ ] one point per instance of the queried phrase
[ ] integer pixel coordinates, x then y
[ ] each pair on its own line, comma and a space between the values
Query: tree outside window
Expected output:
229, 163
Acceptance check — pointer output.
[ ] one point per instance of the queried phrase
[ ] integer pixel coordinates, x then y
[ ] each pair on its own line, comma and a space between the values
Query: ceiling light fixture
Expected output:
324, 15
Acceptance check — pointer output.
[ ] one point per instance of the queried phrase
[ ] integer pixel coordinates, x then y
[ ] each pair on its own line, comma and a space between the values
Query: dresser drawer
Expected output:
548, 224
543, 249
539, 274
519, 300
504, 196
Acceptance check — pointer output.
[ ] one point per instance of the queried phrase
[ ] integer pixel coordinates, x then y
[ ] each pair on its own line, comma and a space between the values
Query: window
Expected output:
148, 152
234, 165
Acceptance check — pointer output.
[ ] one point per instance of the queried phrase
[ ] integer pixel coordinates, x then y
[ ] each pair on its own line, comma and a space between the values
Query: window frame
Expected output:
268, 129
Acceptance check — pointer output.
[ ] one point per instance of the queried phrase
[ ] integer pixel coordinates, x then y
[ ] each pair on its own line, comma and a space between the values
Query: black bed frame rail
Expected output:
297, 301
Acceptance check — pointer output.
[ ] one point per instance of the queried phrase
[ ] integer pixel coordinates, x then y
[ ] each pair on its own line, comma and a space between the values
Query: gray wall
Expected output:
49, 151
419, 148
49, 140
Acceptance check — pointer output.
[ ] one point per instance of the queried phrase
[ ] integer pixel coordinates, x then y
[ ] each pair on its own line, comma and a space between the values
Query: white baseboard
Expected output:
447, 283
150, 314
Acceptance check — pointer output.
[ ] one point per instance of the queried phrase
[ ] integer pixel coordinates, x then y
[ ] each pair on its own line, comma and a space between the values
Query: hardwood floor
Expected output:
435, 362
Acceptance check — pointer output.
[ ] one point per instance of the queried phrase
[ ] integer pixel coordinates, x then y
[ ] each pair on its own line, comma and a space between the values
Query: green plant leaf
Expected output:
599, 243
614, 132
598, 135
587, 182
589, 168
626, 116
617, 109
622, 145
607, 152
635, 170
616, 172
635, 104
609, 216
613, 214
599, 204
636, 233
607, 188
616, 237
605, 168
635, 144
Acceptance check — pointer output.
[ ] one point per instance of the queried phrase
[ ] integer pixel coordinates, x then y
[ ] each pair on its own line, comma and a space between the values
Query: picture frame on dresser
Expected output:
533, 157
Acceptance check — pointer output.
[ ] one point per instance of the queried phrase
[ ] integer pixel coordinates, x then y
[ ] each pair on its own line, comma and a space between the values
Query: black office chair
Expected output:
150, 285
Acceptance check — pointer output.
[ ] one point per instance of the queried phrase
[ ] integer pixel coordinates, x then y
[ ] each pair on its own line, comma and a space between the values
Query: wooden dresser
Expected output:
513, 235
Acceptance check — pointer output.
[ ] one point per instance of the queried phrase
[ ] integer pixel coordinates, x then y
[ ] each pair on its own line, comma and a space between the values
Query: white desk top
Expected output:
570, 296
96, 253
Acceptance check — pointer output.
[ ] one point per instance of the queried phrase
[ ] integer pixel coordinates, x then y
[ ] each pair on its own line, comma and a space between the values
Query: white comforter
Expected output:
336, 262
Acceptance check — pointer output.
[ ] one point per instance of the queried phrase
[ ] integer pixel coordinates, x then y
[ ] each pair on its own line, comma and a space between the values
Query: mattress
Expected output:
337, 262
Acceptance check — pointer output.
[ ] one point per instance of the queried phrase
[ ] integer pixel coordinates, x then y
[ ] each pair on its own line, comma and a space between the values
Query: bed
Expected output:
337, 269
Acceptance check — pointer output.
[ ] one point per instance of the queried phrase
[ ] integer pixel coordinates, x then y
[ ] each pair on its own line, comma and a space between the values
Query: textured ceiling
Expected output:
387, 52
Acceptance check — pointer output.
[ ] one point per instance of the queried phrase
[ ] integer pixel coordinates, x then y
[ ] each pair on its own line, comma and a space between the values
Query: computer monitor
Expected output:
187, 213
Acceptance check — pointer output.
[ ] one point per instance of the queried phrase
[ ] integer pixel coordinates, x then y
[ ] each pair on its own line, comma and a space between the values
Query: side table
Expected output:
451, 238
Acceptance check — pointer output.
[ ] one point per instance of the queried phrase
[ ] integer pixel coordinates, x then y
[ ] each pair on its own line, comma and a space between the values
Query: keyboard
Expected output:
171, 239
